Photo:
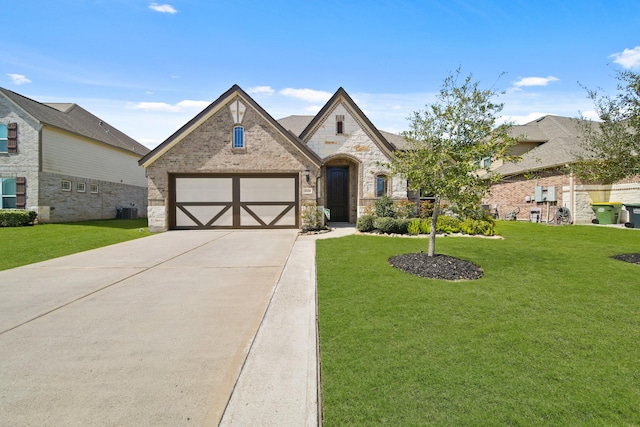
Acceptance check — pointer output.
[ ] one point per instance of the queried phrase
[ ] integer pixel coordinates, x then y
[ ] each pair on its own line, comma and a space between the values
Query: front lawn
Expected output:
549, 336
26, 245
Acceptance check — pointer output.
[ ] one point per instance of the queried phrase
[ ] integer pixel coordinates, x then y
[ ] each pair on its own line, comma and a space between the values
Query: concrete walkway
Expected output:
278, 385
180, 328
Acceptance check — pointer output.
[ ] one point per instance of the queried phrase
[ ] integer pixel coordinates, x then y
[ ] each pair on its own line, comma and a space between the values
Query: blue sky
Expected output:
149, 67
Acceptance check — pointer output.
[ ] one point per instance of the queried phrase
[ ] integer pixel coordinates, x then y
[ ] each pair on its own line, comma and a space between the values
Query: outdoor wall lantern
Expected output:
306, 174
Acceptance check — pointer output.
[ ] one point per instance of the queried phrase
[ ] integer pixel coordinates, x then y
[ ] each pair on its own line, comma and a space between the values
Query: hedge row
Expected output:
16, 217
445, 224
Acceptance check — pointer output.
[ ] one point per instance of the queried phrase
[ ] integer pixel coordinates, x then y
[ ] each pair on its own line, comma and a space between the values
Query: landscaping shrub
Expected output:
402, 225
365, 223
312, 217
384, 208
426, 209
448, 224
477, 226
414, 226
386, 224
16, 217
425, 225
405, 209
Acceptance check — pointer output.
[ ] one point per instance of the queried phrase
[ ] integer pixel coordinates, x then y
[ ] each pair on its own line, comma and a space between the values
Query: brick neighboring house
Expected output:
549, 145
65, 163
234, 166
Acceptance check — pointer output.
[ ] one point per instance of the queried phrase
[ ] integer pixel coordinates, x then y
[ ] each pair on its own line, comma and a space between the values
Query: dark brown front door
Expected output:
338, 193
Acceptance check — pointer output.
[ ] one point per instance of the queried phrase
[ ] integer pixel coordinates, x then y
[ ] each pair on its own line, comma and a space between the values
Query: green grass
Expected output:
26, 245
549, 336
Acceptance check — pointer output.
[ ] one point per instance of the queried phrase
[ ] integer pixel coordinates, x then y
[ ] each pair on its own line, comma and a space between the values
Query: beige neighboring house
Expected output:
542, 181
234, 166
67, 164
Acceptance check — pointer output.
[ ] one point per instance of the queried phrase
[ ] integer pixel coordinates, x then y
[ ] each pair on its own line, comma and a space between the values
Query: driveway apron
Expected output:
153, 331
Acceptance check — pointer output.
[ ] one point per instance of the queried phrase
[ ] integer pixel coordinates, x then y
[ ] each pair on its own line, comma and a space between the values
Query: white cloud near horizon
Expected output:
261, 90
628, 58
535, 81
309, 95
172, 108
18, 79
163, 8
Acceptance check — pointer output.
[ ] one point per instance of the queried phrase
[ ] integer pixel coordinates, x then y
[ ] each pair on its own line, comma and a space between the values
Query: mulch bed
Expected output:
442, 267
632, 258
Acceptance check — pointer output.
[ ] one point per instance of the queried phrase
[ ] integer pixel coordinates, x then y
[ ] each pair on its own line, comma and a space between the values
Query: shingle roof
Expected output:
75, 119
559, 141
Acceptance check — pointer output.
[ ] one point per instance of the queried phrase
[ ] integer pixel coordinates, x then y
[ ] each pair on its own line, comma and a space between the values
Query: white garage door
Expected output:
234, 201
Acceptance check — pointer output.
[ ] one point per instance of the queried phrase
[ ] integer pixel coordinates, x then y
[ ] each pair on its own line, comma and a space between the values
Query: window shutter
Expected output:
21, 192
12, 138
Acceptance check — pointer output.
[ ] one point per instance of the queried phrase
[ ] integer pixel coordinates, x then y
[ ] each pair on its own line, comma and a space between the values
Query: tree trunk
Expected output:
432, 233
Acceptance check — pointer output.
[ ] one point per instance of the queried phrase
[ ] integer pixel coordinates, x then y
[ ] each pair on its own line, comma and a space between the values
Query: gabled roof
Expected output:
559, 142
297, 124
213, 108
342, 96
75, 119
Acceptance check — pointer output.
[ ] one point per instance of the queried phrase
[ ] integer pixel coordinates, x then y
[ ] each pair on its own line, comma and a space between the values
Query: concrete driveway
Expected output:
157, 331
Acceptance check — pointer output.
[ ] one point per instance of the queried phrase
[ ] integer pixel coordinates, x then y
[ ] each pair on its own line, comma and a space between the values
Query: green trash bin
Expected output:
634, 216
606, 212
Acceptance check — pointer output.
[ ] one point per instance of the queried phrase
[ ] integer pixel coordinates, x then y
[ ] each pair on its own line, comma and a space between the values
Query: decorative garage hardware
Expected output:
234, 201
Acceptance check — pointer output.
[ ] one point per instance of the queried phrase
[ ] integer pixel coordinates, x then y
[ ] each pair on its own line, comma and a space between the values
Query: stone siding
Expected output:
208, 149
356, 144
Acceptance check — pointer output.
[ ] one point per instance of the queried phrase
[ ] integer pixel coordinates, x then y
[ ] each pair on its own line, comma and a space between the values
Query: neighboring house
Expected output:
65, 163
234, 166
548, 146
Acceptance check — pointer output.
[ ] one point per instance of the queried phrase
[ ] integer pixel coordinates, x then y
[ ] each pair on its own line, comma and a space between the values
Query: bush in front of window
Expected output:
384, 207
16, 217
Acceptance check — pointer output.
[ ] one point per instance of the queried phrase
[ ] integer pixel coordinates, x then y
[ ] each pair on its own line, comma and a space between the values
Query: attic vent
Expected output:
339, 124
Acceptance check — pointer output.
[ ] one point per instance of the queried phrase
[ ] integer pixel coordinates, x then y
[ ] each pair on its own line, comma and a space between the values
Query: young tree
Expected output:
612, 146
448, 140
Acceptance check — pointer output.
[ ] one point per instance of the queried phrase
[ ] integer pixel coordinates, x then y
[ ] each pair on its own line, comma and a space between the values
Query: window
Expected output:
94, 188
8, 193
238, 137
81, 187
4, 139
9, 138
382, 185
66, 185
485, 163
340, 124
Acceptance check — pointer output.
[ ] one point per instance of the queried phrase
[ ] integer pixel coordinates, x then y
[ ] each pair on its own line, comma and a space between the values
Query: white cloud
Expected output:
309, 95
18, 79
261, 90
163, 106
628, 58
535, 81
192, 105
163, 8
522, 119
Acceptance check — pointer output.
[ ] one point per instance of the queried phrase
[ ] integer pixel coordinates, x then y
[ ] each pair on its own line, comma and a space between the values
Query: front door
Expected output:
338, 193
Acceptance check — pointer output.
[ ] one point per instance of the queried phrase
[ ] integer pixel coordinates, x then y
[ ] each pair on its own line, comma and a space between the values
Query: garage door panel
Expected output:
267, 190
235, 201
270, 215
203, 215
204, 190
